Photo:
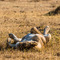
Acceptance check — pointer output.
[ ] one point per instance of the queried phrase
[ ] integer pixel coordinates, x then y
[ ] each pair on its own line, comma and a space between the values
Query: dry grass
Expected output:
19, 18
54, 12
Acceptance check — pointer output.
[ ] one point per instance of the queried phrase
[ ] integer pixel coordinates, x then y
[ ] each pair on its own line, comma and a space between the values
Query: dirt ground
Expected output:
19, 17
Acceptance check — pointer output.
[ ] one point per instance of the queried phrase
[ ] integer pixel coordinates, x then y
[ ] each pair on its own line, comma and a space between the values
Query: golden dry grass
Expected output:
19, 18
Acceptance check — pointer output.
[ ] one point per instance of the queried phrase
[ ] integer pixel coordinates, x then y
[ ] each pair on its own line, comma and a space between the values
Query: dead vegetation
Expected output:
54, 12
19, 18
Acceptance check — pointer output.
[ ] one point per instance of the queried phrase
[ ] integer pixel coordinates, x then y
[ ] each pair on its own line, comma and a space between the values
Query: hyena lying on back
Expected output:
34, 39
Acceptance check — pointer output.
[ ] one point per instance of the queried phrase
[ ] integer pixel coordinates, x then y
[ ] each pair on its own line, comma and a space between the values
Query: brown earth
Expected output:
18, 18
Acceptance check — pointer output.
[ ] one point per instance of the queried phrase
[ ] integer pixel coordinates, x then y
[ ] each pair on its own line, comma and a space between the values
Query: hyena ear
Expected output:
7, 42
12, 36
46, 30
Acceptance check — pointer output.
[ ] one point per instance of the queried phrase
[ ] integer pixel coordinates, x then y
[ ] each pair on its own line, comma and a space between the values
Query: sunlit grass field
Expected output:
19, 18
